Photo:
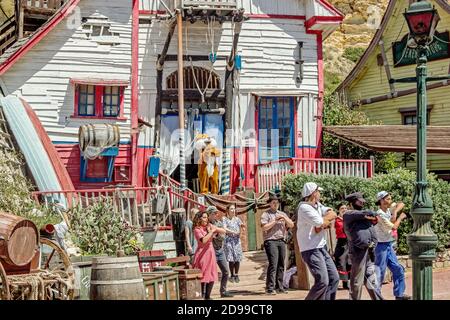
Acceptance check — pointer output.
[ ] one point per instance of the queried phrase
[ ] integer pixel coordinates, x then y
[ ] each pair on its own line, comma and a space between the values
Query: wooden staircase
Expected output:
29, 16
7, 34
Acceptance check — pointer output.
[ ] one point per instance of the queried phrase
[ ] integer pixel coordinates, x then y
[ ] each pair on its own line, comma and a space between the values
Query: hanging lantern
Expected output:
422, 19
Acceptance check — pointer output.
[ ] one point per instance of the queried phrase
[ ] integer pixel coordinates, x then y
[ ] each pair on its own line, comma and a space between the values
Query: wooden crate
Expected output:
161, 285
190, 285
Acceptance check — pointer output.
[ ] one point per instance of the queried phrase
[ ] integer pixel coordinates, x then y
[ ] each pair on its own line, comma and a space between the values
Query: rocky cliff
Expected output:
343, 48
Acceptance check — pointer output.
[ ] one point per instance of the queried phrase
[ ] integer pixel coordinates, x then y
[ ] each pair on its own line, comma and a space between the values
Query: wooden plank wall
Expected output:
42, 76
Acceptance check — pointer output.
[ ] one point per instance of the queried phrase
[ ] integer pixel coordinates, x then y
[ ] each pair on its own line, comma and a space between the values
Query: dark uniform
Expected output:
362, 241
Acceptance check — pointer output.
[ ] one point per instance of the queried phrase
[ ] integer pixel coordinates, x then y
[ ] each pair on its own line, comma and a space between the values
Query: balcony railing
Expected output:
209, 4
270, 175
43, 4
137, 206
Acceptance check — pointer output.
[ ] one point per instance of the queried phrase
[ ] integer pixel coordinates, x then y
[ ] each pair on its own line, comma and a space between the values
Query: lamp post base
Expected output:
423, 274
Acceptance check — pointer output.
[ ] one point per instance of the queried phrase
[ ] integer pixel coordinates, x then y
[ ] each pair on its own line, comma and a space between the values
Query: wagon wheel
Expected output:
54, 259
4, 285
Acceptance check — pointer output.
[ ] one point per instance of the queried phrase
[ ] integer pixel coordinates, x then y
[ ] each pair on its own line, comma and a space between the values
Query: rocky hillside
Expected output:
6, 9
344, 47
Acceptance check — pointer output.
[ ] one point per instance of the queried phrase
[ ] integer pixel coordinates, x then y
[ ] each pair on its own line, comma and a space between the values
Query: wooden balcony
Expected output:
209, 5
34, 13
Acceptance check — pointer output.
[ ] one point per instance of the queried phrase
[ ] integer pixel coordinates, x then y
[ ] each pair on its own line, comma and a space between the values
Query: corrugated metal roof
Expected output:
31, 146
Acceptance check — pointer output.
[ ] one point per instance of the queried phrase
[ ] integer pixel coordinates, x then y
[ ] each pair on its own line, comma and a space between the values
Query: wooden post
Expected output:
304, 277
181, 99
159, 80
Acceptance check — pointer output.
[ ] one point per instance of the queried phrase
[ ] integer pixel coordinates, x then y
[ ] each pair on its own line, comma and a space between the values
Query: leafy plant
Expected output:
399, 182
338, 113
353, 53
97, 230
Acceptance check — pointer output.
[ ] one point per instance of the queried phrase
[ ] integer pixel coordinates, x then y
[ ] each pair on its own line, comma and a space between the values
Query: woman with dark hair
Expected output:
205, 257
341, 258
233, 247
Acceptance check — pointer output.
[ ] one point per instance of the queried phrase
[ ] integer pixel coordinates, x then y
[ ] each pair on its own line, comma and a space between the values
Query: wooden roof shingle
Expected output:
395, 138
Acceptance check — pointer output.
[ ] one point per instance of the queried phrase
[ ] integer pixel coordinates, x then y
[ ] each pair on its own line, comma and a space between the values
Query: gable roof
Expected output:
375, 41
22, 46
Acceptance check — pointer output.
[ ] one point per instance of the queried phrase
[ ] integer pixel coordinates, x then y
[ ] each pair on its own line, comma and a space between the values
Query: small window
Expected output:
86, 100
97, 168
99, 101
111, 101
96, 31
409, 116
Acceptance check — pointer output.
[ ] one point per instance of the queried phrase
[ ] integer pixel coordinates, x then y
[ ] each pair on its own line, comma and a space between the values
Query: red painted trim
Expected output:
100, 117
321, 19
39, 35
330, 7
276, 16
122, 103
152, 12
296, 148
77, 99
101, 82
60, 170
99, 90
321, 95
134, 91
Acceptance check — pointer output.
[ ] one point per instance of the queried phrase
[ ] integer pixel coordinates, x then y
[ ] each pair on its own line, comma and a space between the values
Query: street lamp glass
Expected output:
422, 20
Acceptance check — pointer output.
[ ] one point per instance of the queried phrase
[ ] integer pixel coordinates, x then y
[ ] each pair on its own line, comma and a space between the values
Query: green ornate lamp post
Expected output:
422, 19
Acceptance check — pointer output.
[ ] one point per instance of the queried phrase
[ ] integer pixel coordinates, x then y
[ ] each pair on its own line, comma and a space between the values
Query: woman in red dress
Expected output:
205, 256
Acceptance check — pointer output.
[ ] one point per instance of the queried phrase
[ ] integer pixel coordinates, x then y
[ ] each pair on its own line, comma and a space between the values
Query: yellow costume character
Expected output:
208, 168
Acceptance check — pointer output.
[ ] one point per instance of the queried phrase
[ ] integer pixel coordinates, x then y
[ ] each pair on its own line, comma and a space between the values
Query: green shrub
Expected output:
97, 230
399, 182
332, 81
353, 53
338, 113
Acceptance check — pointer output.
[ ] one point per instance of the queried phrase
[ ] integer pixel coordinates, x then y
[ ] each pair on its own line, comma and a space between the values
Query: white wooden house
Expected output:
277, 78
76, 70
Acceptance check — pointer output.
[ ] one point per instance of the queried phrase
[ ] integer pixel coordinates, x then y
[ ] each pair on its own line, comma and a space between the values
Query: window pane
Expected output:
90, 109
83, 98
114, 90
91, 99
91, 89
106, 31
96, 31
115, 100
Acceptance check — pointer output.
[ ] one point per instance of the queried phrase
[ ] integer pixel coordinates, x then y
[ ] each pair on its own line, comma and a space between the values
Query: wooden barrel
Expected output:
116, 279
98, 135
19, 240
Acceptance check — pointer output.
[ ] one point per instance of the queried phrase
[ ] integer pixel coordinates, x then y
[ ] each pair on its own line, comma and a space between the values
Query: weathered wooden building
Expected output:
75, 70
274, 80
252, 67
388, 56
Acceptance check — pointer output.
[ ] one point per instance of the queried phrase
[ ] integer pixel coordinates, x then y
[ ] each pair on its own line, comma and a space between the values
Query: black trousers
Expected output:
342, 259
276, 253
223, 265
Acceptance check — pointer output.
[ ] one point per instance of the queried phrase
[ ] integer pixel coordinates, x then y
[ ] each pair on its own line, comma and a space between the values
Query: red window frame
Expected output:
99, 88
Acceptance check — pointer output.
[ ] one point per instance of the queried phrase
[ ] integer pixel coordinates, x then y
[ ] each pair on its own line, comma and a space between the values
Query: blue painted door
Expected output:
276, 128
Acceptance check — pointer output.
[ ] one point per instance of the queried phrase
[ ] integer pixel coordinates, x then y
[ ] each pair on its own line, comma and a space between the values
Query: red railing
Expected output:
139, 207
270, 175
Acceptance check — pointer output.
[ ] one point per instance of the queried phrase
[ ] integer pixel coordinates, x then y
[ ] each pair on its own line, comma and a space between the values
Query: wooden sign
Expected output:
403, 55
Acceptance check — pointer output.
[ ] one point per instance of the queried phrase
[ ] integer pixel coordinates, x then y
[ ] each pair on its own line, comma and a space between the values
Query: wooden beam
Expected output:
172, 57
162, 56
386, 67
